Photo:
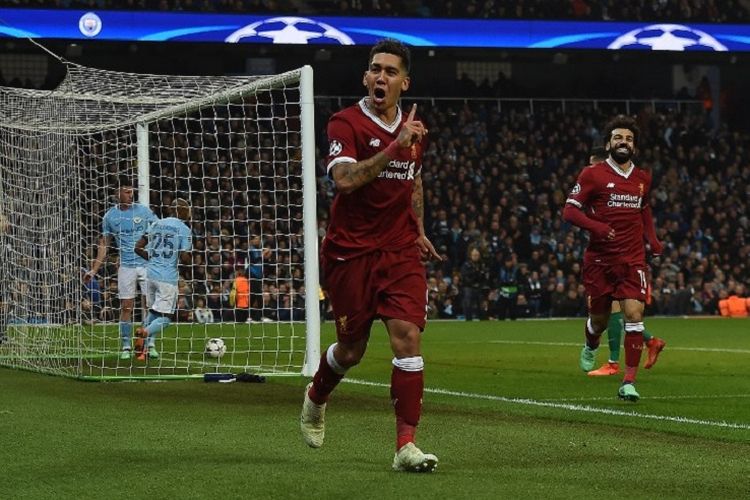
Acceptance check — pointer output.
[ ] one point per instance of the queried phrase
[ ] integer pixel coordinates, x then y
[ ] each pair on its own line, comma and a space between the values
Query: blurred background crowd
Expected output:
496, 178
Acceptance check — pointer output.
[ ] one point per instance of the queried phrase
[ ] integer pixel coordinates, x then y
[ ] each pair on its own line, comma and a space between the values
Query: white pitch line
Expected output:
566, 406
579, 344
687, 396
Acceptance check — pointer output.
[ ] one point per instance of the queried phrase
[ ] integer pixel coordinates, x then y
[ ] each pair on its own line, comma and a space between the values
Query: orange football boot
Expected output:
606, 369
655, 346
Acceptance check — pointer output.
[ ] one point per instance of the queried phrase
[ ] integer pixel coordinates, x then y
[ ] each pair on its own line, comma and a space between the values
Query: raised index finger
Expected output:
412, 112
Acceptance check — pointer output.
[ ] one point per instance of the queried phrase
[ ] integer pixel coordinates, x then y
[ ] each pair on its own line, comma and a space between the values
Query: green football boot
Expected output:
588, 359
627, 392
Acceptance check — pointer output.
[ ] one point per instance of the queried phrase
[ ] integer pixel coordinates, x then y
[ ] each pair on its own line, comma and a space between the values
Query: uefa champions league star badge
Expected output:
667, 37
289, 30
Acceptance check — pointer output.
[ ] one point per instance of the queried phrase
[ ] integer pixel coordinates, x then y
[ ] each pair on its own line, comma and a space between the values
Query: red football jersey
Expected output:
378, 215
609, 195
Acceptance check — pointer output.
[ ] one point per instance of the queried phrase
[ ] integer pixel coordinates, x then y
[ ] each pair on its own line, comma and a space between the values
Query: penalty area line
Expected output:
566, 406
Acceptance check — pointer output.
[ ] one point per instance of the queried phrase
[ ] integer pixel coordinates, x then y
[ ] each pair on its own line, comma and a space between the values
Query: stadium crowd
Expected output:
496, 177
735, 11
495, 184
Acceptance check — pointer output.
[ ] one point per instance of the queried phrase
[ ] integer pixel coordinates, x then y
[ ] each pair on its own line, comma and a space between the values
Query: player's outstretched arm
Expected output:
140, 247
351, 176
101, 254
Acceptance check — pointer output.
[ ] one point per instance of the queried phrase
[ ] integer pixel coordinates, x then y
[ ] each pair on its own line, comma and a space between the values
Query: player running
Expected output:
615, 324
610, 200
371, 255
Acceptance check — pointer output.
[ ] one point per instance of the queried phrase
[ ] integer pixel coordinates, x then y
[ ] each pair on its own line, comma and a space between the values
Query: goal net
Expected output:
239, 149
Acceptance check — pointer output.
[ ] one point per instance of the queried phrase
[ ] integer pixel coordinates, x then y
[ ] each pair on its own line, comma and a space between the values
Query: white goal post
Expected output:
240, 149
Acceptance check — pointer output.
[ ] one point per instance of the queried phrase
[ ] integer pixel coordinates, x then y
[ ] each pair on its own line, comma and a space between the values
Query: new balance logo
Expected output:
375, 142
611, 185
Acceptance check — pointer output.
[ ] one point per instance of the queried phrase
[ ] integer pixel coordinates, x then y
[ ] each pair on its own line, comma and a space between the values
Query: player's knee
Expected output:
348, 356
633, 315
633, 318
598, 324
405, 341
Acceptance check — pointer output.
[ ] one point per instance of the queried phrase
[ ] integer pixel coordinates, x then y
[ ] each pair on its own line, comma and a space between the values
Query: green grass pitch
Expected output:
506, 409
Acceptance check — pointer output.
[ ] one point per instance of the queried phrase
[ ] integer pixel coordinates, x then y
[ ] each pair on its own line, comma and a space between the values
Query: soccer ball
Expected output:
215, 348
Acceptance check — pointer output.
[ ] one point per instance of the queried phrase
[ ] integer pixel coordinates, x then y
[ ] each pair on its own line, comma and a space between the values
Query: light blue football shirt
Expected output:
166, 239
127, 227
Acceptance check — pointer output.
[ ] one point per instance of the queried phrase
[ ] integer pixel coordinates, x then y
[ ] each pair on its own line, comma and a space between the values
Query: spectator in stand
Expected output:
533, 293
239, 297
201, 313
256, 256
92, 300
474, 276
508, 278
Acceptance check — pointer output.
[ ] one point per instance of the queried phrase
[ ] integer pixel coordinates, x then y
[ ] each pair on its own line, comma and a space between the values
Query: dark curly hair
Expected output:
395, 47
622, 121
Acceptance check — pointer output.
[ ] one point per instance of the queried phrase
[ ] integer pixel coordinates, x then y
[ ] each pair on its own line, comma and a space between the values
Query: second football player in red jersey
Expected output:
611, 201
371, 258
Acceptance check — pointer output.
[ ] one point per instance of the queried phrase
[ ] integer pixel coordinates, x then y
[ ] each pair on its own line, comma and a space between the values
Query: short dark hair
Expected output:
124, 181
599, 153
622, 121
395, 47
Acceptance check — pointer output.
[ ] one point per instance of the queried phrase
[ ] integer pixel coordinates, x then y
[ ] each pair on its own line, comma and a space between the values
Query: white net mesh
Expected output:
231, 146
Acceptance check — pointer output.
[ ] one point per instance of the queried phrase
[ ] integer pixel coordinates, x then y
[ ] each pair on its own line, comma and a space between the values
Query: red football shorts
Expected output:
378, 284
605, 283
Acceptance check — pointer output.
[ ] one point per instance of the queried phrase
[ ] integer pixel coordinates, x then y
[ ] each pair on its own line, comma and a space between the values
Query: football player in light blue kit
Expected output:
126, 222
161, 247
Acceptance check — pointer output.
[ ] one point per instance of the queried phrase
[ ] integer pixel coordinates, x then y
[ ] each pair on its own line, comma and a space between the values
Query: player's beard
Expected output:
620, 157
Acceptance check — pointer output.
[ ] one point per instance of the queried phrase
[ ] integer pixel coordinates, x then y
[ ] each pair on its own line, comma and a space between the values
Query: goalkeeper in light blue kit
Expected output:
161, 247
126, 222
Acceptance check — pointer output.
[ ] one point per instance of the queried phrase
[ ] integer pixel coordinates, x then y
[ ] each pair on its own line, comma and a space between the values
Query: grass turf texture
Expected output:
93, 352
506, 410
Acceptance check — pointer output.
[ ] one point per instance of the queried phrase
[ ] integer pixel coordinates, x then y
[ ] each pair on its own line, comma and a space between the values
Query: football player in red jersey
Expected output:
611, 201
615, 324
371, 257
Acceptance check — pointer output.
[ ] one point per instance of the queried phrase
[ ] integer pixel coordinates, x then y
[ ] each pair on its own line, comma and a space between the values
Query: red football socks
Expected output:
324, 382
407, 388
633, 348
